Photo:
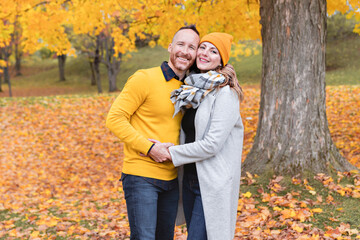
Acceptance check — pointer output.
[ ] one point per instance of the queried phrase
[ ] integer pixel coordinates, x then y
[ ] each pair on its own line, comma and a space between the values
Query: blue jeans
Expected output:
152, 207
193, 208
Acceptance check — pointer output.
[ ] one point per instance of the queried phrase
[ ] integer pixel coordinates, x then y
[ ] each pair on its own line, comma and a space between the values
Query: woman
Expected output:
212, 138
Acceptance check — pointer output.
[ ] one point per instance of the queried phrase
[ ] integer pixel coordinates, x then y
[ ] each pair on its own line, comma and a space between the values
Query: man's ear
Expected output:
170, 47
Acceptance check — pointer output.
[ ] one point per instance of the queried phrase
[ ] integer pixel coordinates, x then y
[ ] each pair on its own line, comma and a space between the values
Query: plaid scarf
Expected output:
196, 88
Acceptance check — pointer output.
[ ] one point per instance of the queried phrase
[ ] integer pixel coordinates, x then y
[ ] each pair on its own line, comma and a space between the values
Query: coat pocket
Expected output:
225, 165
215, 173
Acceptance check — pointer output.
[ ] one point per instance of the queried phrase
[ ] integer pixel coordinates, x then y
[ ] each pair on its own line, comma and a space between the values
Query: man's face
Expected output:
183, 50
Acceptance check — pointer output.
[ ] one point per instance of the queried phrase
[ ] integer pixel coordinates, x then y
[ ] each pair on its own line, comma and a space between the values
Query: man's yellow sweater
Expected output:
143, 110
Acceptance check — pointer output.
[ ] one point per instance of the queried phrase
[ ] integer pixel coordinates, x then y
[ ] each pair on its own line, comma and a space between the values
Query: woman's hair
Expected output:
230, 79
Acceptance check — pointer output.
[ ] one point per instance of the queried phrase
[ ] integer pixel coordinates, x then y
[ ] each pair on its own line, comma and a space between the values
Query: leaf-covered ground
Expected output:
60, 167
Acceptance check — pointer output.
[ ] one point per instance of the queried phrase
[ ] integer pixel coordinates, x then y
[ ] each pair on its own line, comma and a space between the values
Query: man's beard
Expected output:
181, 66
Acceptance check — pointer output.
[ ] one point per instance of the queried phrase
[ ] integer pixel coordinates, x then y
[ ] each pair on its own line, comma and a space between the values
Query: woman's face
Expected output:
208, 57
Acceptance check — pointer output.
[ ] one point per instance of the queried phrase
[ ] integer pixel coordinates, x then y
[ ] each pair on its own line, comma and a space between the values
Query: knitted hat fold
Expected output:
222, 41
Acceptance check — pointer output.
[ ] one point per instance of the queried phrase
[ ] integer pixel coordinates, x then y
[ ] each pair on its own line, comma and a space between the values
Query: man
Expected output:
144, 111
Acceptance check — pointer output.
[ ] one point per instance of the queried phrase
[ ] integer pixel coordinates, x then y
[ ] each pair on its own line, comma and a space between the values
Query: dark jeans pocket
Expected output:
123, 176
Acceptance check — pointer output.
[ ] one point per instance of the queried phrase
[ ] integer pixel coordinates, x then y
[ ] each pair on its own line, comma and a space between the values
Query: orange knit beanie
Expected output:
222, 41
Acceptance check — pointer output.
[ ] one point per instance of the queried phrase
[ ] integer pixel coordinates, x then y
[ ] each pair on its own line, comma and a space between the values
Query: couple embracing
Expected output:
183, 139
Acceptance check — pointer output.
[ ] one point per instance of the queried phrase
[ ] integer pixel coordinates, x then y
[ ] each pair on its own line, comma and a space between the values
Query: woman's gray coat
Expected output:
217, 153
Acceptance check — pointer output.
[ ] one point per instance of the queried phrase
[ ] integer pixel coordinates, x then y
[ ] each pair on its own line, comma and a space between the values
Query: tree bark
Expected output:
7, 76
61, 62
112, 63
18, 55
18, 50
292, 134
93, 80
112, 80
6, 54
1, 76
97, 61
1, 68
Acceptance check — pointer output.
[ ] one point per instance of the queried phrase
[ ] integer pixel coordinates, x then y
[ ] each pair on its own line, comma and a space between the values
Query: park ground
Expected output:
60, 166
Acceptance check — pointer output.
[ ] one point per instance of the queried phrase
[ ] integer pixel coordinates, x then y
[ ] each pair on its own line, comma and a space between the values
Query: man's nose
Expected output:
186, 50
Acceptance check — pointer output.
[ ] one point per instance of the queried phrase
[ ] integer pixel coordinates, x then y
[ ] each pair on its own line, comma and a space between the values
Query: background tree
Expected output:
292, 134
96, 64
107, 27
6, 52
2, 65
29, 25
6, 29
116, 27
61, 63
16, 39
341, 26
45, 26
86, 44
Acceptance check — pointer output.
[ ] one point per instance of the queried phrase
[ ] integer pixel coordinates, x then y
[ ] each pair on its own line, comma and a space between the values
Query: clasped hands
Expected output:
160, 151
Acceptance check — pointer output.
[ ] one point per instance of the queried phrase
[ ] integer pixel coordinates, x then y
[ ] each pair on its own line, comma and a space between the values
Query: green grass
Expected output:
248, 69
343, 62
44, 74
343, 68
145, 58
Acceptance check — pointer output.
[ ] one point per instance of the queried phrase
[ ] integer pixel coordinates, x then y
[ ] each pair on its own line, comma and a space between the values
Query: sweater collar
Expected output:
168, 72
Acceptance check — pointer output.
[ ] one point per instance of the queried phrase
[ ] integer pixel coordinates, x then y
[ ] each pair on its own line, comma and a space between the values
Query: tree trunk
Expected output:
1, 75
1, 68
112, 63
17, 46
18, 55
61, 62
293, 135
6, 53
113, 70
93, 80
97, 61
5, 56
7, 77
112, 80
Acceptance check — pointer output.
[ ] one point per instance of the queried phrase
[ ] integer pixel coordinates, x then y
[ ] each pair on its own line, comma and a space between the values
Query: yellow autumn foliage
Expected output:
48, 23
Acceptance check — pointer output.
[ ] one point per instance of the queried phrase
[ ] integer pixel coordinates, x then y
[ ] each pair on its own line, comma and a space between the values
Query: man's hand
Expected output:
160, 153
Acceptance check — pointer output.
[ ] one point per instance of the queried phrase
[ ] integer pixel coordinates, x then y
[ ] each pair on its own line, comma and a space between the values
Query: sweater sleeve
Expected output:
118, 119
224, 117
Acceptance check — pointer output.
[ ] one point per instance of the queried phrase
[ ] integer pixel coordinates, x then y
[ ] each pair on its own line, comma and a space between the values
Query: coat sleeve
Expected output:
224, 117
118, 118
